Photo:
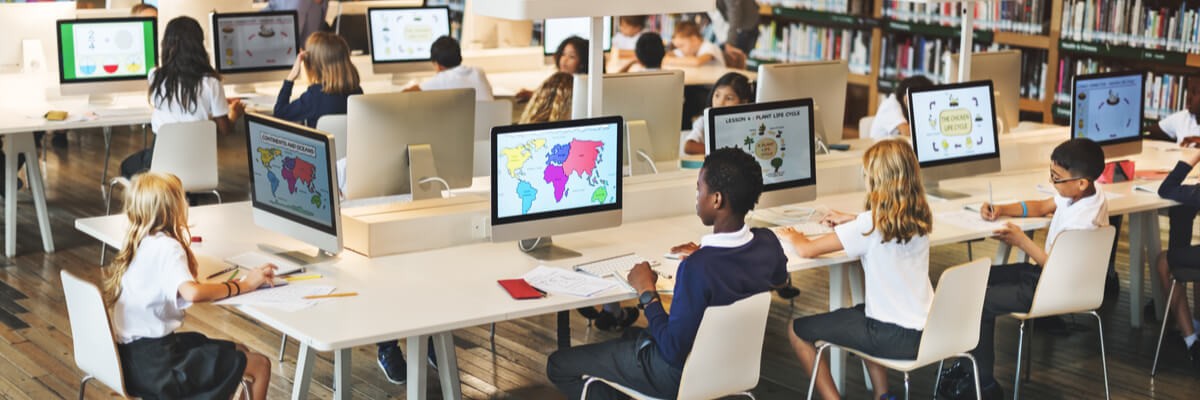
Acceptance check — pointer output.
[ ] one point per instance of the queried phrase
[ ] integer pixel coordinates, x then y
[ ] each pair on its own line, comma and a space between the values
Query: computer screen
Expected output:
262, 41
1107, 108
110, 49
556, 169
555, 30
405, 34
778, 134
953, 123
291, 174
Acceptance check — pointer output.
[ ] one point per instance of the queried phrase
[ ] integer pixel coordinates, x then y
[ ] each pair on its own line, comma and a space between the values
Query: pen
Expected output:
991, 205
235, 274
222, 272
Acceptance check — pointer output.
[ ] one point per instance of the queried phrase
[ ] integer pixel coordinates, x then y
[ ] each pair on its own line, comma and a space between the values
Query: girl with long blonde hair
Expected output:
552, 101
147, 288
332, 79
891, 238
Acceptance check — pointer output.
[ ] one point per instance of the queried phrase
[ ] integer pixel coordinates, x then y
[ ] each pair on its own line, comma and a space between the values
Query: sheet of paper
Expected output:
976, 206
968, 220
286, 297
561, 281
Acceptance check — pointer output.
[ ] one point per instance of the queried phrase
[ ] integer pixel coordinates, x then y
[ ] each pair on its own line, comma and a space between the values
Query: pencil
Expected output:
222, 272
302, 277
326, 296
235, 274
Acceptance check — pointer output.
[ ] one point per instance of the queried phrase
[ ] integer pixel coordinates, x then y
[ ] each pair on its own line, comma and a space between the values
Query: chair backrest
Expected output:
488, 114
189, 151
727, 353
335, 124
864, 126
952, 326
91, 332
1073, 278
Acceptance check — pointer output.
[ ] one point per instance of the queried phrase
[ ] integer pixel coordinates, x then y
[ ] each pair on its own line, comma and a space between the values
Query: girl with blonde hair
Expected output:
552, 101
148, 287
892, 240
332, 79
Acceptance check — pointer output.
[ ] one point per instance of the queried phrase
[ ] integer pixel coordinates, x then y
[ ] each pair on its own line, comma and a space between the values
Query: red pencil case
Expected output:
520, 290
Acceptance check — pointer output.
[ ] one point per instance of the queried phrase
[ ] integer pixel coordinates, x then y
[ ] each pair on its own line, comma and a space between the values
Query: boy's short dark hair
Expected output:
446, 52
1082, 157
633, 20
650, 50
736, 175
907, 84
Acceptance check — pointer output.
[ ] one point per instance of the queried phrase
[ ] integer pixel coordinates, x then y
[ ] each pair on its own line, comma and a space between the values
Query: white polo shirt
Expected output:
708, 48
1179, 125
210, 103
461, 77
149, 305
1088, 213
888, 119
897, 284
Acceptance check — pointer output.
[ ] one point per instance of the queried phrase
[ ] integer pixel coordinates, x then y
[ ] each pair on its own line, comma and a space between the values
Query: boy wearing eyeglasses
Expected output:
1077, 205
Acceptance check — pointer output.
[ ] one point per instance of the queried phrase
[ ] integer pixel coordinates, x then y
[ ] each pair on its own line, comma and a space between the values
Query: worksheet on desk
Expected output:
561, 281
287, 298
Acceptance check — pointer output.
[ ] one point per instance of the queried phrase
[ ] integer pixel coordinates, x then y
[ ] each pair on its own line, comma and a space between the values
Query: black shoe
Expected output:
391, 361
1149, 313
1194, 354
951, 377
965, 389
992, 392
589, 312
612, 323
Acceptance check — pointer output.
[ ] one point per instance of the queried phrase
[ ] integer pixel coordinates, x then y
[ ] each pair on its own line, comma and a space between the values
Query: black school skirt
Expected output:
182, 365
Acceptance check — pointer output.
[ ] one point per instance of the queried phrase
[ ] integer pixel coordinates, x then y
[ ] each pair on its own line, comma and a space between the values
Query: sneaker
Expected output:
950, 377
887, 396
613, 323
391, 361
1194, 354
965, 389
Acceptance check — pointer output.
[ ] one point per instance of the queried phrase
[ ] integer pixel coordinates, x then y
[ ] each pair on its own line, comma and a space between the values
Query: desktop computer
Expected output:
779, 135
349, 19
1107, 108
555, 178
99, 56
822, 81
1003, 68
483, 32
293, 190
254, 47
28, 42
555, 30
401, 38
651, 104
403, 143
954, 133
199, 10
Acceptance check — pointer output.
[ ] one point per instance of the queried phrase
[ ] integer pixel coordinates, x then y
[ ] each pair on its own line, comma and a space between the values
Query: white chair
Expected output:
951, 329
864, 126
726, 355
335, 124
187, 150
488, 114
1072, 282
92, 338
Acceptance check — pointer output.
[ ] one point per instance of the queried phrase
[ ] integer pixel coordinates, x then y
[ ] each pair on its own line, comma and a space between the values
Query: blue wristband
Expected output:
1024, 210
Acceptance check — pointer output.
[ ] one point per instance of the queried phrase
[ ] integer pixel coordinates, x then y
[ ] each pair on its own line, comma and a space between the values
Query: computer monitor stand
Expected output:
637, 137
933, 190
819, 133
543, 248
300, 257
421, 171
244, 90
101, 99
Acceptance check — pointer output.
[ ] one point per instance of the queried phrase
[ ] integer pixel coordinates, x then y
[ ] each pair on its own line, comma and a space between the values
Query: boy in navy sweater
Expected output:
1182, 260
732, 263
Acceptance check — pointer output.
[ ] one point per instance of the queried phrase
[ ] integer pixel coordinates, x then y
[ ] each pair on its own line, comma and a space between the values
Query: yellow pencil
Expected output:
331, 295
302, 277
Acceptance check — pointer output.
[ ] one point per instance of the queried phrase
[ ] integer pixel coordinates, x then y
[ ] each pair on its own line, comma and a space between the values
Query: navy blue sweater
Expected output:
311, 106
714, 276
1172, 188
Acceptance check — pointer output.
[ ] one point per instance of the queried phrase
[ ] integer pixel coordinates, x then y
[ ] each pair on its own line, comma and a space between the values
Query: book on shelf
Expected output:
852, 7
905, 56
800, 42
1133, 23
1164, 93
1030, 17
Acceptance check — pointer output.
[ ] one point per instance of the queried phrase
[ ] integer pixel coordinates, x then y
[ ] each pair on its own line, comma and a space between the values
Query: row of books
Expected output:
852, 7
1133, 23
1164, 93
799, 42
905, 56
1029, 17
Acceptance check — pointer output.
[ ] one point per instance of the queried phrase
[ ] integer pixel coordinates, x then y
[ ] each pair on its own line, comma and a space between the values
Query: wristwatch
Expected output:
646, 298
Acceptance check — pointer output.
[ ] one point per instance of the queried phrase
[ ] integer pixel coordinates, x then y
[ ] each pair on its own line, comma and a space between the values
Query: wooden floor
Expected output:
36, 359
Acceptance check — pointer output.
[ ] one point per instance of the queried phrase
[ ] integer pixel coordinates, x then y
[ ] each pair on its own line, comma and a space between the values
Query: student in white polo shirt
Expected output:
451, 74
892, 117
1183, 126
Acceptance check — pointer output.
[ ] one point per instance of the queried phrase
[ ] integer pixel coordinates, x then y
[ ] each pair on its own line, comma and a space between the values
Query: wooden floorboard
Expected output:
35, 346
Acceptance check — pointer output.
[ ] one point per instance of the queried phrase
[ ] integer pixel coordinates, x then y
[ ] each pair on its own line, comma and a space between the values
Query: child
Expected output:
892, 240
732, 263
1184, 256
148, 287
1078, 204
571, 57
1183, 126
691, 50
892, 117
184, 88
451, 74
731, 90
552, 101
649, 54
144, 10
332, 79
629, 30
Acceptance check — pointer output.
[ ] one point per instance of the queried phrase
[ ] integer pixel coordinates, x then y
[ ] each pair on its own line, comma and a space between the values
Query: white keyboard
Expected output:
619, 265
120, 112
808, 228
254, 259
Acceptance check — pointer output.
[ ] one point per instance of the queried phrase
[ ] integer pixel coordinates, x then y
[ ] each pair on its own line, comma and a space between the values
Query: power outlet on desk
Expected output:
480, 225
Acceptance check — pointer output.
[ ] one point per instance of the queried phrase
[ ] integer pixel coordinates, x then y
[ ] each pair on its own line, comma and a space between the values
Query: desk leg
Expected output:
304, 364
10, 198
564, 329
1137, 233
418, 351
1153, 246
443, 344
107, 157
837, 300
37, 184
1003, 250
341, 374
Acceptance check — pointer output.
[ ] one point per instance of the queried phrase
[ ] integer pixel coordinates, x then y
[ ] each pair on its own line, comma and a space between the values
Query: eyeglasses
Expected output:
1064, 180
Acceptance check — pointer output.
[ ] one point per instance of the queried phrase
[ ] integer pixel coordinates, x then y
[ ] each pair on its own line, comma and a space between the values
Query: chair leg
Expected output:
246, 391
975, 370
492, 337
107, 209
748, 394
937, 380
282, 346
1020, 346
812, 383
970, 254
83, 385
586, 384
906, 386
1163, 329
218, 194
1029, 350
1103, 361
